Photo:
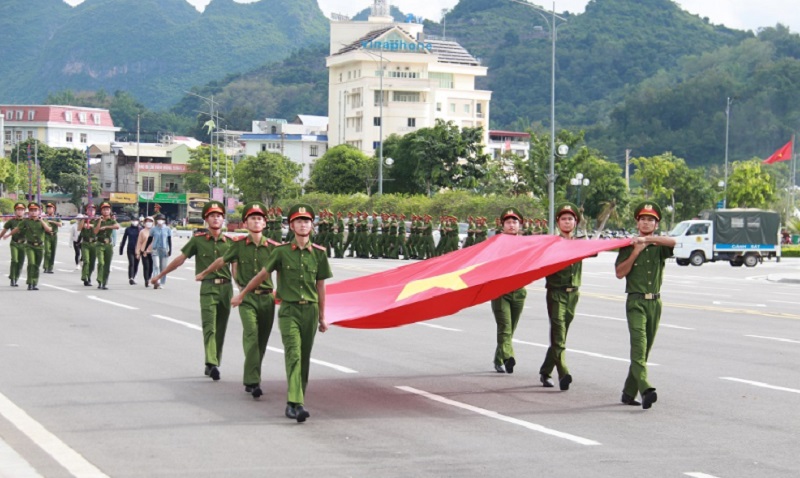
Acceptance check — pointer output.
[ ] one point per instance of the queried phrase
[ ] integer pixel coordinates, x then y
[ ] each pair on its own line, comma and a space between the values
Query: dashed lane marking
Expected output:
761, 384
582, 352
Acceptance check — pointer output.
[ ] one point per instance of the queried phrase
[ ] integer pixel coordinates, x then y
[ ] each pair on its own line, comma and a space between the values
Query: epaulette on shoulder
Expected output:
198, 233
237, 238
321, 248
274, 243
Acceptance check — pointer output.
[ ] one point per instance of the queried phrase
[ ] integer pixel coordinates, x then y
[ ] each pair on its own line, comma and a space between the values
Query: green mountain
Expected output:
155, 49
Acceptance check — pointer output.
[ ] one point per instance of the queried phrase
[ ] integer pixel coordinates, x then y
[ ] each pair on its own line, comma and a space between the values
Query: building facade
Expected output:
388, 78
514, 142
56, 126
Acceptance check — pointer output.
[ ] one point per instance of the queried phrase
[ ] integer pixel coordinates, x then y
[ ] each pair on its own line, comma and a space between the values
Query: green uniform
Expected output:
17, 249
33, 232
104, 250
257, 310
88, 253
351, 235
507, 309
643, 310
337, 237
298, 318
562, 299
216, 291
50, 243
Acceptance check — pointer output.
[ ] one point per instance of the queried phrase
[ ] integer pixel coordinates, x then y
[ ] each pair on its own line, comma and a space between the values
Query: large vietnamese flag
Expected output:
446, 284
783, 154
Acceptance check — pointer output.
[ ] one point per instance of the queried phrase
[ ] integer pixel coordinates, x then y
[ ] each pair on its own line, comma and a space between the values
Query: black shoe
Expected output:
499, 368
30, 287
291, 411
302, 413
207, 371
510, 363
547, 382
257, 392
131, 282
649, 397
104, 287
628, 400
248, 388
87, 283
214, 373
563, 384
33, 287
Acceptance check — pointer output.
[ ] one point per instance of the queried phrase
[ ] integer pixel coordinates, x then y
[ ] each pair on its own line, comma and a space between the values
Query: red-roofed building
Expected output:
56, 126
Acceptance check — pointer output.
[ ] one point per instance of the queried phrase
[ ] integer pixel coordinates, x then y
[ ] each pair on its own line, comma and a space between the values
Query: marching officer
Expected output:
642, 265
103, 229
17, 242
33, 230
216, 289
303, 270
51, 238
87, 239
257, 311
508, 307
562, 299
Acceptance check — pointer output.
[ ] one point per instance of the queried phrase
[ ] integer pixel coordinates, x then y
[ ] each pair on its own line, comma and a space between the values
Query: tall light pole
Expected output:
212, 127
727, 129
579, 181
380, 133
551, 176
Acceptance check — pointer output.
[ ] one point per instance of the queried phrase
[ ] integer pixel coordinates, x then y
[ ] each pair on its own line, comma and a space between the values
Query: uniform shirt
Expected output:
10, 225
54, 224
647, 272
207, 249
105, 235
251, 258
87, 234
569, 276
32, 230
299, 270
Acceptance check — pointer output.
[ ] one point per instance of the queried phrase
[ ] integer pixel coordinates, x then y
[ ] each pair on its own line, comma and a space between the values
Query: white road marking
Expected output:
14, 465
59, 288
67, 270
697, 293
761, 384
74, 463
591, 354
497, 416
697, 474
94, 297
774, 338
271, 349
739, 304
434, 326
625, 320
785, 302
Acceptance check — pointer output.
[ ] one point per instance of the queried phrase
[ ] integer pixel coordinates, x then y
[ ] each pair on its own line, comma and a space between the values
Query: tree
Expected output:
76, 186
342, 170
197, 178
750, 185
268, 177
669, 180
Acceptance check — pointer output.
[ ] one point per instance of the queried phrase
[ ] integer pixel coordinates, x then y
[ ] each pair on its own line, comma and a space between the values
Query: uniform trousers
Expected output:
105, 254
507, 310
561, 310
643, 318
298, 324
17, 259
257, 313
50, 242
89, 256
35, 255
215, 308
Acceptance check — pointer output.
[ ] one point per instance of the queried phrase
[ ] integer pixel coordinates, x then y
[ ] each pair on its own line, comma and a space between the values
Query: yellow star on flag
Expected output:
451, 280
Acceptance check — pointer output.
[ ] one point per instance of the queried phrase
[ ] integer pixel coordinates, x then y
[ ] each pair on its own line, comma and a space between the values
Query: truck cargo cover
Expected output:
744, 226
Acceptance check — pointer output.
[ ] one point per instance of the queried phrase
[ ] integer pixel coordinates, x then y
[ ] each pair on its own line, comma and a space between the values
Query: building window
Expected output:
313, 150
376, 121
19, 115
83, 138
108, 165
68, 116
274, 130
452, 107
31, 115
412, 122
8, 137
18, 136
108, 185
69, 137
405, 96
96, 118
466, 108
263, 146
170, 187
445, 80
439, 107
378, 97
376, 144
82, 117
148, 184
340, 77
30, 134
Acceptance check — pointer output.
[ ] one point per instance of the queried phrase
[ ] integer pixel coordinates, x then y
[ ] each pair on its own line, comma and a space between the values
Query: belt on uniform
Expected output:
301, 302
104, 241
636, 295
18, 241
262, 291
565, 289
218, 281
35, 244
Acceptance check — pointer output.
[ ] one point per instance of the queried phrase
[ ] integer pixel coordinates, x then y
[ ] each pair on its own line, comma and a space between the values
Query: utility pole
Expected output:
627, 169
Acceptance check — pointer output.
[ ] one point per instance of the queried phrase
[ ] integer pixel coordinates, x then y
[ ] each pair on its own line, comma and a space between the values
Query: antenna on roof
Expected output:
338, 17
380, 8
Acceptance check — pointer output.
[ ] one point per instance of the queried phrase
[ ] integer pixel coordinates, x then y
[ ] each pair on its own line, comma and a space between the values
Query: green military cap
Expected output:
254, 208
511, 212
34, 205
213, 206
301, 210
647, 208
568, 208
19, 205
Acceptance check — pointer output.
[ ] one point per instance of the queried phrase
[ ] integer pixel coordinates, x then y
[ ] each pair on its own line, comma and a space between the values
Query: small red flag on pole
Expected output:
783, 154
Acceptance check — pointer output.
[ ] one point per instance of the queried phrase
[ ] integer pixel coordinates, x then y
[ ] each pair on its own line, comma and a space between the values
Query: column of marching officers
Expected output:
301, 261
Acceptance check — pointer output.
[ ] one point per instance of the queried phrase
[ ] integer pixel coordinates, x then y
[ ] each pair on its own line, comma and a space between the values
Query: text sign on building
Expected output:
123, 198
163, 198
396, 45
163, 167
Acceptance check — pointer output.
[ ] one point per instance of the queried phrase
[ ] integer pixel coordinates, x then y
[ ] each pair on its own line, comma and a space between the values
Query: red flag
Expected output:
783, 154
446, 284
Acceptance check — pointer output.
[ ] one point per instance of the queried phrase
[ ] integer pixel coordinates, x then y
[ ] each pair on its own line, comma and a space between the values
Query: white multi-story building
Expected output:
57, 126
302, 140
386, 77
514, 142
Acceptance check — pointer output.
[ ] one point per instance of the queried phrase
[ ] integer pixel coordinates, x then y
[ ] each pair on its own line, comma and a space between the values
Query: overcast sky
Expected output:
740, 14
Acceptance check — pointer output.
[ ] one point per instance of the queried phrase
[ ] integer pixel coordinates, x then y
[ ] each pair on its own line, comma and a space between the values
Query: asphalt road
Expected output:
110, 383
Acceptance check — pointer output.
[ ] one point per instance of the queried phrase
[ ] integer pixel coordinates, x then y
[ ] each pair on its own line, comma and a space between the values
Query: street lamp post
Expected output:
727, 129
551, 176
579, 181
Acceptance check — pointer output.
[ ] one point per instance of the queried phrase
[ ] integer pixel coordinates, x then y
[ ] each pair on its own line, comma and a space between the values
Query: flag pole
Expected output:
794, 178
